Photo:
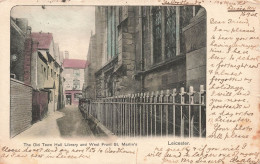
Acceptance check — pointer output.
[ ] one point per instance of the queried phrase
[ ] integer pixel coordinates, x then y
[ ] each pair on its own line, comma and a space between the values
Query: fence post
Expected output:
173, 113
134, 104
124, 110
182, 102
201, 101
156, 101
116, 114
166, 112
143, 114
161, 111
147, 114
121, 115
192, 126
140, 114
132, 113
129, 114
151, 111
190, 94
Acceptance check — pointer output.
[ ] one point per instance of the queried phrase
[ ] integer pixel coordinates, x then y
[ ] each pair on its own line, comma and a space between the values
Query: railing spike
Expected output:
182, 90
191, 89
167, 92
162, 92
202, 88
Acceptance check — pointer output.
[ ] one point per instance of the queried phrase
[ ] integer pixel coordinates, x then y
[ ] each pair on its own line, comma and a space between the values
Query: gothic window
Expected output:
170, 32
157, 34
167, 25
186, 14
112, 33
120, 15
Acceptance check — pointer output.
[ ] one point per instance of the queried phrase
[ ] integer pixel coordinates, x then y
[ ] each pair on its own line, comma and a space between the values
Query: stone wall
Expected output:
133, 70
116, 76
195, 42
167, 74
125, 82
89, 74
21, 107
166, 77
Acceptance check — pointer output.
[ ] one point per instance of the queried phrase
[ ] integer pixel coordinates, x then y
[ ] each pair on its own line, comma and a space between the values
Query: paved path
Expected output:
65, 123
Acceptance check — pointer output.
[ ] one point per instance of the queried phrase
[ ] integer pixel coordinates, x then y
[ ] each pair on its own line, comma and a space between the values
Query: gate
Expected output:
39, 105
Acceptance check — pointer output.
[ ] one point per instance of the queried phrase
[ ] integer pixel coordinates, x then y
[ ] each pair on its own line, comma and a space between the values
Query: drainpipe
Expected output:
142, 46
36, 72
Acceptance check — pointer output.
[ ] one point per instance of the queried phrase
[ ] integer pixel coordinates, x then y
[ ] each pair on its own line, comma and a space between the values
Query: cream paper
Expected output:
233, 129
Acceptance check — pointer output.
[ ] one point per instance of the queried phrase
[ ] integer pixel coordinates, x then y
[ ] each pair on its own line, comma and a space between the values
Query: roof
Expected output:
44, 39
75, 63
44, 54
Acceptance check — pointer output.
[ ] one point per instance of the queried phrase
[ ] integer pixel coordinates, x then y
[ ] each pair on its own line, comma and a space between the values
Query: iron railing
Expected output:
164, 113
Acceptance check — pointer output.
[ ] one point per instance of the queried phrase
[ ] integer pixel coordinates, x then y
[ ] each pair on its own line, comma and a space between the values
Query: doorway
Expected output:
68, 99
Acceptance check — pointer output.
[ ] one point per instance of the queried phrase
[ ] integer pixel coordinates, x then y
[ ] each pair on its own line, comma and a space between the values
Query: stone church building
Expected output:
143, 49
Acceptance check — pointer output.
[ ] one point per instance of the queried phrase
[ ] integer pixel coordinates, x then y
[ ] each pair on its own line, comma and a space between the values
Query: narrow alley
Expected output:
65, 123
132, 71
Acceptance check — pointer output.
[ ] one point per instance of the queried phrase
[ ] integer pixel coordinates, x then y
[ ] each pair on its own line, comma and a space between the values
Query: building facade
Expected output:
89, 90
20, 32
36, 76
74, 80
47, 68
143, 49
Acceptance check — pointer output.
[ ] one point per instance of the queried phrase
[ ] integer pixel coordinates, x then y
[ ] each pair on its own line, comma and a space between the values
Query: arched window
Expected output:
112, 32
157, 34
167, 25
170, 32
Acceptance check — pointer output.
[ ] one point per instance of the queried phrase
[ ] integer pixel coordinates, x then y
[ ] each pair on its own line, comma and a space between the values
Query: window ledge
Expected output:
162, 64
108, 65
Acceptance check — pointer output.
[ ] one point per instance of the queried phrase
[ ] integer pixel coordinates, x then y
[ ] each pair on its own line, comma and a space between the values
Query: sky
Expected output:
71, 26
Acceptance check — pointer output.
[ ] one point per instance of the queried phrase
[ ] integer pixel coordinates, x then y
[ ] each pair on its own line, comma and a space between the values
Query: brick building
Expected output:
19, 36
20, 89
74, 79
47, 69
140, 49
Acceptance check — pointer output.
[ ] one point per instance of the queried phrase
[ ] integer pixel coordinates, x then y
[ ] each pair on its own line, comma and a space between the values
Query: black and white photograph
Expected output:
102, 71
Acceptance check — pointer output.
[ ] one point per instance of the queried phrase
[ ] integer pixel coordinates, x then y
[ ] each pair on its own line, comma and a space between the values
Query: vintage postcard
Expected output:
130, 82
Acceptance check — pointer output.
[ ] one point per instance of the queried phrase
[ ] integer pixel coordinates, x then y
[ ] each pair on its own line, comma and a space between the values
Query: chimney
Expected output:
22, 23
29, 30
67, 54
